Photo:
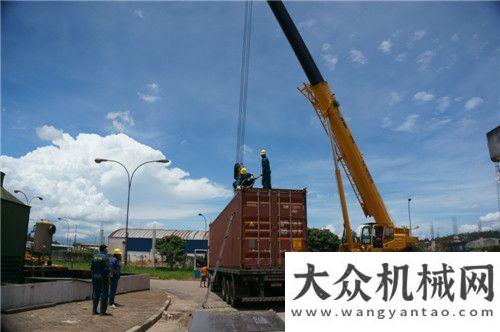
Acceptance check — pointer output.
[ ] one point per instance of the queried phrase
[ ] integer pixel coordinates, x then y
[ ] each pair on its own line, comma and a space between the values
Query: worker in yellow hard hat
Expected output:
266, 170
115, 272
245, 180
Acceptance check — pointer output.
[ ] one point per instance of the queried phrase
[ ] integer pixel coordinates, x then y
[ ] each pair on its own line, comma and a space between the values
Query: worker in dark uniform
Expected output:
266, 171
246, 179
99, 270
115, 275
237, 174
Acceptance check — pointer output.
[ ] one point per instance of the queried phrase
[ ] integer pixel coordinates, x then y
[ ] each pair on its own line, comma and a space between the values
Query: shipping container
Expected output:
265, 225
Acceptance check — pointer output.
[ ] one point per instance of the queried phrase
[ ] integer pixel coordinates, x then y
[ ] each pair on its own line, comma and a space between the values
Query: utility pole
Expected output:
153, 247
409, 216
497, 168
101, 234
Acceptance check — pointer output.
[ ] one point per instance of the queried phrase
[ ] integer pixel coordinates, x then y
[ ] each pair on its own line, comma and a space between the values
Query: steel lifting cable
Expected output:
245, 62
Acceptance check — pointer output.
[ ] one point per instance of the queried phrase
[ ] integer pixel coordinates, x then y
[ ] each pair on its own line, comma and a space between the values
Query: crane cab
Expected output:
376, 236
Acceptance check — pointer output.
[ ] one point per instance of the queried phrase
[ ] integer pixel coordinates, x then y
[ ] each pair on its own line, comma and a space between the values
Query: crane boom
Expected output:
322, 98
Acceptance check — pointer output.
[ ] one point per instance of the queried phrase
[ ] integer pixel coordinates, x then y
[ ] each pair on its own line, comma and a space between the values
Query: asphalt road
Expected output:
187, 297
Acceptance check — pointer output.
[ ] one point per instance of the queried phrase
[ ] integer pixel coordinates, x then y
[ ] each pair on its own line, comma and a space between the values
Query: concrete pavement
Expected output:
76, 316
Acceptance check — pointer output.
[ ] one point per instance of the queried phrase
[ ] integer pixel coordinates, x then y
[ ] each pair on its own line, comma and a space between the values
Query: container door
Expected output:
291, 223
257, 229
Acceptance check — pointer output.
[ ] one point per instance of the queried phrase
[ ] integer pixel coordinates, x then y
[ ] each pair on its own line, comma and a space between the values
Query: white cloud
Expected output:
152, 96
443, 103
454, 38
395, 98
49, 133
417, 35
473, 103
332, 229
138, 13
325, 47
468, 228
491, 217
246, 149
153, 87
436, 123
120, 120
307, 24
385, 46
148, 98
386, 122
358, 57
423, 97
424, 59
401, 57
330, 60
409, 123
74, 186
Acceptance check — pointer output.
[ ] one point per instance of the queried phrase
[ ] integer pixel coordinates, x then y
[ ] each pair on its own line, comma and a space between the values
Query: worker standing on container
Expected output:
116, 272
99, 270
266, 170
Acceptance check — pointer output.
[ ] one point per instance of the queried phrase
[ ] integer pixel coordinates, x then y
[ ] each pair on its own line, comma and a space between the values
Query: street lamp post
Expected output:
28, 201
129, 177
205, 219
409, 215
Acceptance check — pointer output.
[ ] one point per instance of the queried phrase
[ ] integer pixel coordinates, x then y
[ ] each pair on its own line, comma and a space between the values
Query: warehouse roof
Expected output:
143, 233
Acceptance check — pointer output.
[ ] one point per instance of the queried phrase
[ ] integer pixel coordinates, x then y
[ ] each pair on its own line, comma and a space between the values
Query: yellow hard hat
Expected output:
243, 170
262, 152
117, 251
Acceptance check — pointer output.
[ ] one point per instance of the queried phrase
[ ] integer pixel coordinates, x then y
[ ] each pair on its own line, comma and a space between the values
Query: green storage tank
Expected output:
14, 220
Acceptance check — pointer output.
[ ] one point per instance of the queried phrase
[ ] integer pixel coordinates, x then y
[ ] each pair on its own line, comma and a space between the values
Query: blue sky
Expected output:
417, 82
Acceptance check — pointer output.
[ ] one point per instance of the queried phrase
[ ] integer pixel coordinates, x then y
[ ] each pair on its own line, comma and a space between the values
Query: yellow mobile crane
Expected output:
380, 235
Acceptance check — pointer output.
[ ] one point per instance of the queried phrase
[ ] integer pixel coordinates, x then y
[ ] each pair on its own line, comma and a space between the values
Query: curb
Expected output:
33, 307
151, 320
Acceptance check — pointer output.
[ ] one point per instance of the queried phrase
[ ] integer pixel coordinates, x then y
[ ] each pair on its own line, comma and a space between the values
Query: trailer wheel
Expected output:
224, 289
227, 285
235, 299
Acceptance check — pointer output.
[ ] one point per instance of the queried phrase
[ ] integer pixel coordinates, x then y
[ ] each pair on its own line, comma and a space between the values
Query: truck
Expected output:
248, 242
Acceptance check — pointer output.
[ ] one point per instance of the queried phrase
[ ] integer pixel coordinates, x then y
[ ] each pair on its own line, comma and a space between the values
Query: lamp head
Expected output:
99, 160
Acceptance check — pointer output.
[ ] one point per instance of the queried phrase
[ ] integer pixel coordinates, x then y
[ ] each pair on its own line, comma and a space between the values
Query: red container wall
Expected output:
266, 224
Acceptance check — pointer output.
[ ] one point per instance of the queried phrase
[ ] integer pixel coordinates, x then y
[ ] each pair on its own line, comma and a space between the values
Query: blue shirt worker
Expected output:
99, 269
116, 272
266, 170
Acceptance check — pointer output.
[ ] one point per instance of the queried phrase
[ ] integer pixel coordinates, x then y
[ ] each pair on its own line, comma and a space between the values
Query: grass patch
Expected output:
158, 272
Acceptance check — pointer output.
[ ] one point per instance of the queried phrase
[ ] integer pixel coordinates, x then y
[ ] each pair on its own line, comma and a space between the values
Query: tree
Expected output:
322, 240
172, 249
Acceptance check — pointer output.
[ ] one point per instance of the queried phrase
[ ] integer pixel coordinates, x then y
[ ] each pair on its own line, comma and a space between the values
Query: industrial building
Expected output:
140, 241
14, 215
